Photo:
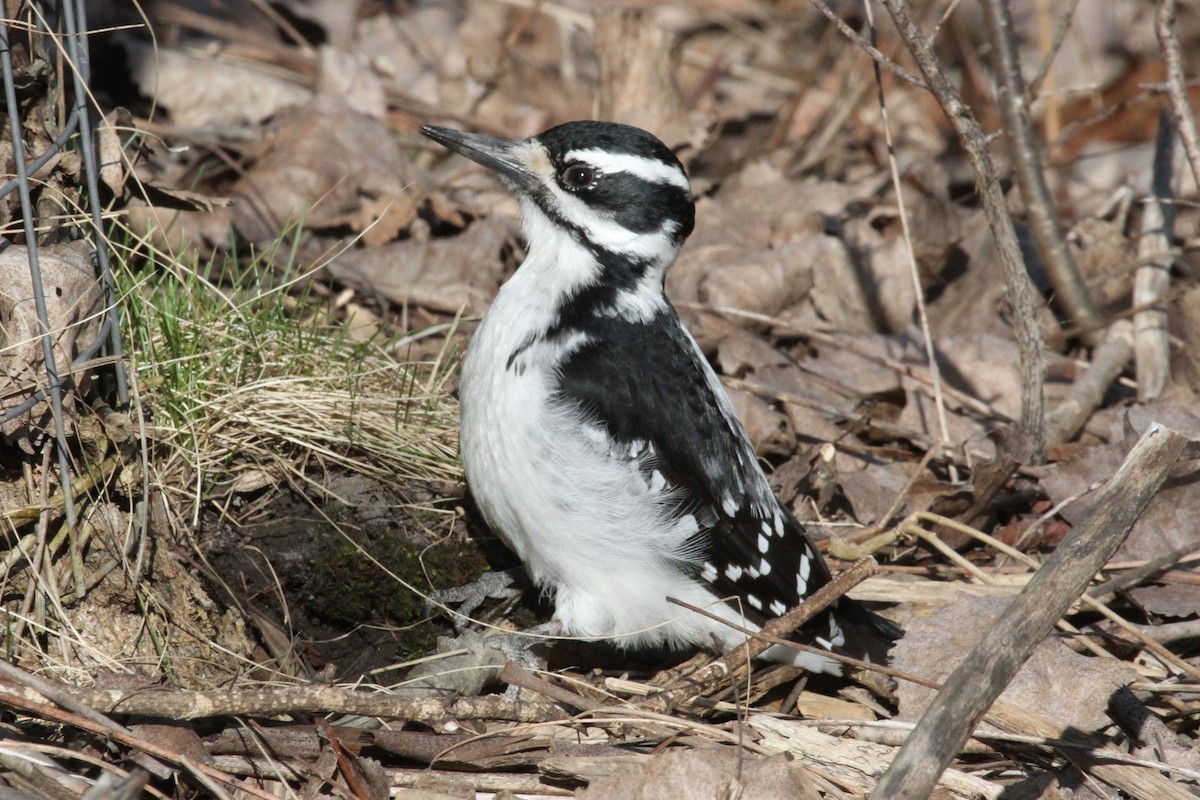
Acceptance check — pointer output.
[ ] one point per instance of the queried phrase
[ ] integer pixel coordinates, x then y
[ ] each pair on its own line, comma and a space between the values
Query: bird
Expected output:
596, 439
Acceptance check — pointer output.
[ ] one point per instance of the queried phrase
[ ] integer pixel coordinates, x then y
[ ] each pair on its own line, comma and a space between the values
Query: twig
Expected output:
345, 762
935, 372
1088, 391
61, 695
978, 681
1151, 344
912, 526
1162, 653
867, 47
1027, 168
1098, 760
1135, 575
515, 675
1164, 27
1019, 290
775, 631
1170, 632
1051, 513
268, 701
897, 503
1060, 36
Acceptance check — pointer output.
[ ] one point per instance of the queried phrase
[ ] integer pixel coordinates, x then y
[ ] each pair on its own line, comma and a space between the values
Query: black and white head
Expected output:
602, 204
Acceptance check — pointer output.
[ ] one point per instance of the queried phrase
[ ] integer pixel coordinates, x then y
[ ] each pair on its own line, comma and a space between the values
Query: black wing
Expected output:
648, 382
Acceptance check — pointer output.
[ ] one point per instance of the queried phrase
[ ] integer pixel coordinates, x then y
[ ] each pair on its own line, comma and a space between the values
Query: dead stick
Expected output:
1168, 37
1152, 280
1086, 394
1092, 756
737, 660
201, 772
515, 675
269, 701
982, 676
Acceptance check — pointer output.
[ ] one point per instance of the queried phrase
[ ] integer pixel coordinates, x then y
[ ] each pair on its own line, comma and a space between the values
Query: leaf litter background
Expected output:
299, 120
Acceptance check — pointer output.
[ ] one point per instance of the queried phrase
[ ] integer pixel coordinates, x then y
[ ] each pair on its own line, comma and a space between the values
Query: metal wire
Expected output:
71, 38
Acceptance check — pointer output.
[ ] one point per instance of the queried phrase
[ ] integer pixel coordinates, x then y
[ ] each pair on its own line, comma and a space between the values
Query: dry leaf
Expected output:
348, 77
445, 274
230, 94
381, 219
319, 160
1172, 520
768, 430
115, 125
74, 300
1171, 600
1056, 682
865, 284
180, 232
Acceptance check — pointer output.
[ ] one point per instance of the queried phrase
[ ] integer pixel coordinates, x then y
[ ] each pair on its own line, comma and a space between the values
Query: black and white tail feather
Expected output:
597, 440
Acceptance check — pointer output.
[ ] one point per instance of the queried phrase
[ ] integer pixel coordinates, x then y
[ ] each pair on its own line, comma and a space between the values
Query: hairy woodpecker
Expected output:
598, 441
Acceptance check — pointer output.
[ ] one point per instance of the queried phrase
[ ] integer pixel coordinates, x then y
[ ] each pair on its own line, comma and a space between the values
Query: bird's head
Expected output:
615, 189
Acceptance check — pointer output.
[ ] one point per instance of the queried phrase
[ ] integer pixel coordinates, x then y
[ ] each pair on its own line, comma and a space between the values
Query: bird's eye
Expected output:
578, 176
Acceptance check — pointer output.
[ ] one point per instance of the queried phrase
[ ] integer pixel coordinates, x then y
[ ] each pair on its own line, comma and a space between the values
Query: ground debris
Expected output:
240, 608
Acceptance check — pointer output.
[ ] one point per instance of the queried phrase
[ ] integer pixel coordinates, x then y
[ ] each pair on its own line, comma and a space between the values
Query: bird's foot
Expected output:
518, 648
467, 598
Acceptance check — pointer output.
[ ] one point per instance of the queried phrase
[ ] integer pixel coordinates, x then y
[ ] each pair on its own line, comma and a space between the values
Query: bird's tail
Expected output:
865, 635
847, 629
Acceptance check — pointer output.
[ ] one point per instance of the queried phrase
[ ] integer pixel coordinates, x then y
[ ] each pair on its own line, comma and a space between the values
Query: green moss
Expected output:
345, 588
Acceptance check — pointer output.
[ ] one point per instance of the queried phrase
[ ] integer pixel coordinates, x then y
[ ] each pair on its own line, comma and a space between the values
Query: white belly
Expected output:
587, 527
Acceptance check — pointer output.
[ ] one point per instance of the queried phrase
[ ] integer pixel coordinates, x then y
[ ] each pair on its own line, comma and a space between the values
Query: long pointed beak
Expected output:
502, 156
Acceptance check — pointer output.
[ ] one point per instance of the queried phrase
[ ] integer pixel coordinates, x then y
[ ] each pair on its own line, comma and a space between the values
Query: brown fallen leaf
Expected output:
1172, 520
115, 125
1056, 682
764, 281
865, 284
1171, 600
445, 274
317, 162
74, 300
759, 208
768, 429
379, 219
180, 232
231, 94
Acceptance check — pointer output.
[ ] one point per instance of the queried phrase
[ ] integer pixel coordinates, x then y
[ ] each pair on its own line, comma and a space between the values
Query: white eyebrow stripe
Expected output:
654, 247
650, 169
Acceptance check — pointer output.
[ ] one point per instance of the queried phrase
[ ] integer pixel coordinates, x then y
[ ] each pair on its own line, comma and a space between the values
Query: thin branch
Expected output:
1164, 26
935, 372
1023, 149
1086, 394
1060, 35
268, 701
867, 47
1152, 280
1019, 290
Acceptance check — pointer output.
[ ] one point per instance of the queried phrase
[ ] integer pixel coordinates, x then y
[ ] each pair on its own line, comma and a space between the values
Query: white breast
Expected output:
589, 529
